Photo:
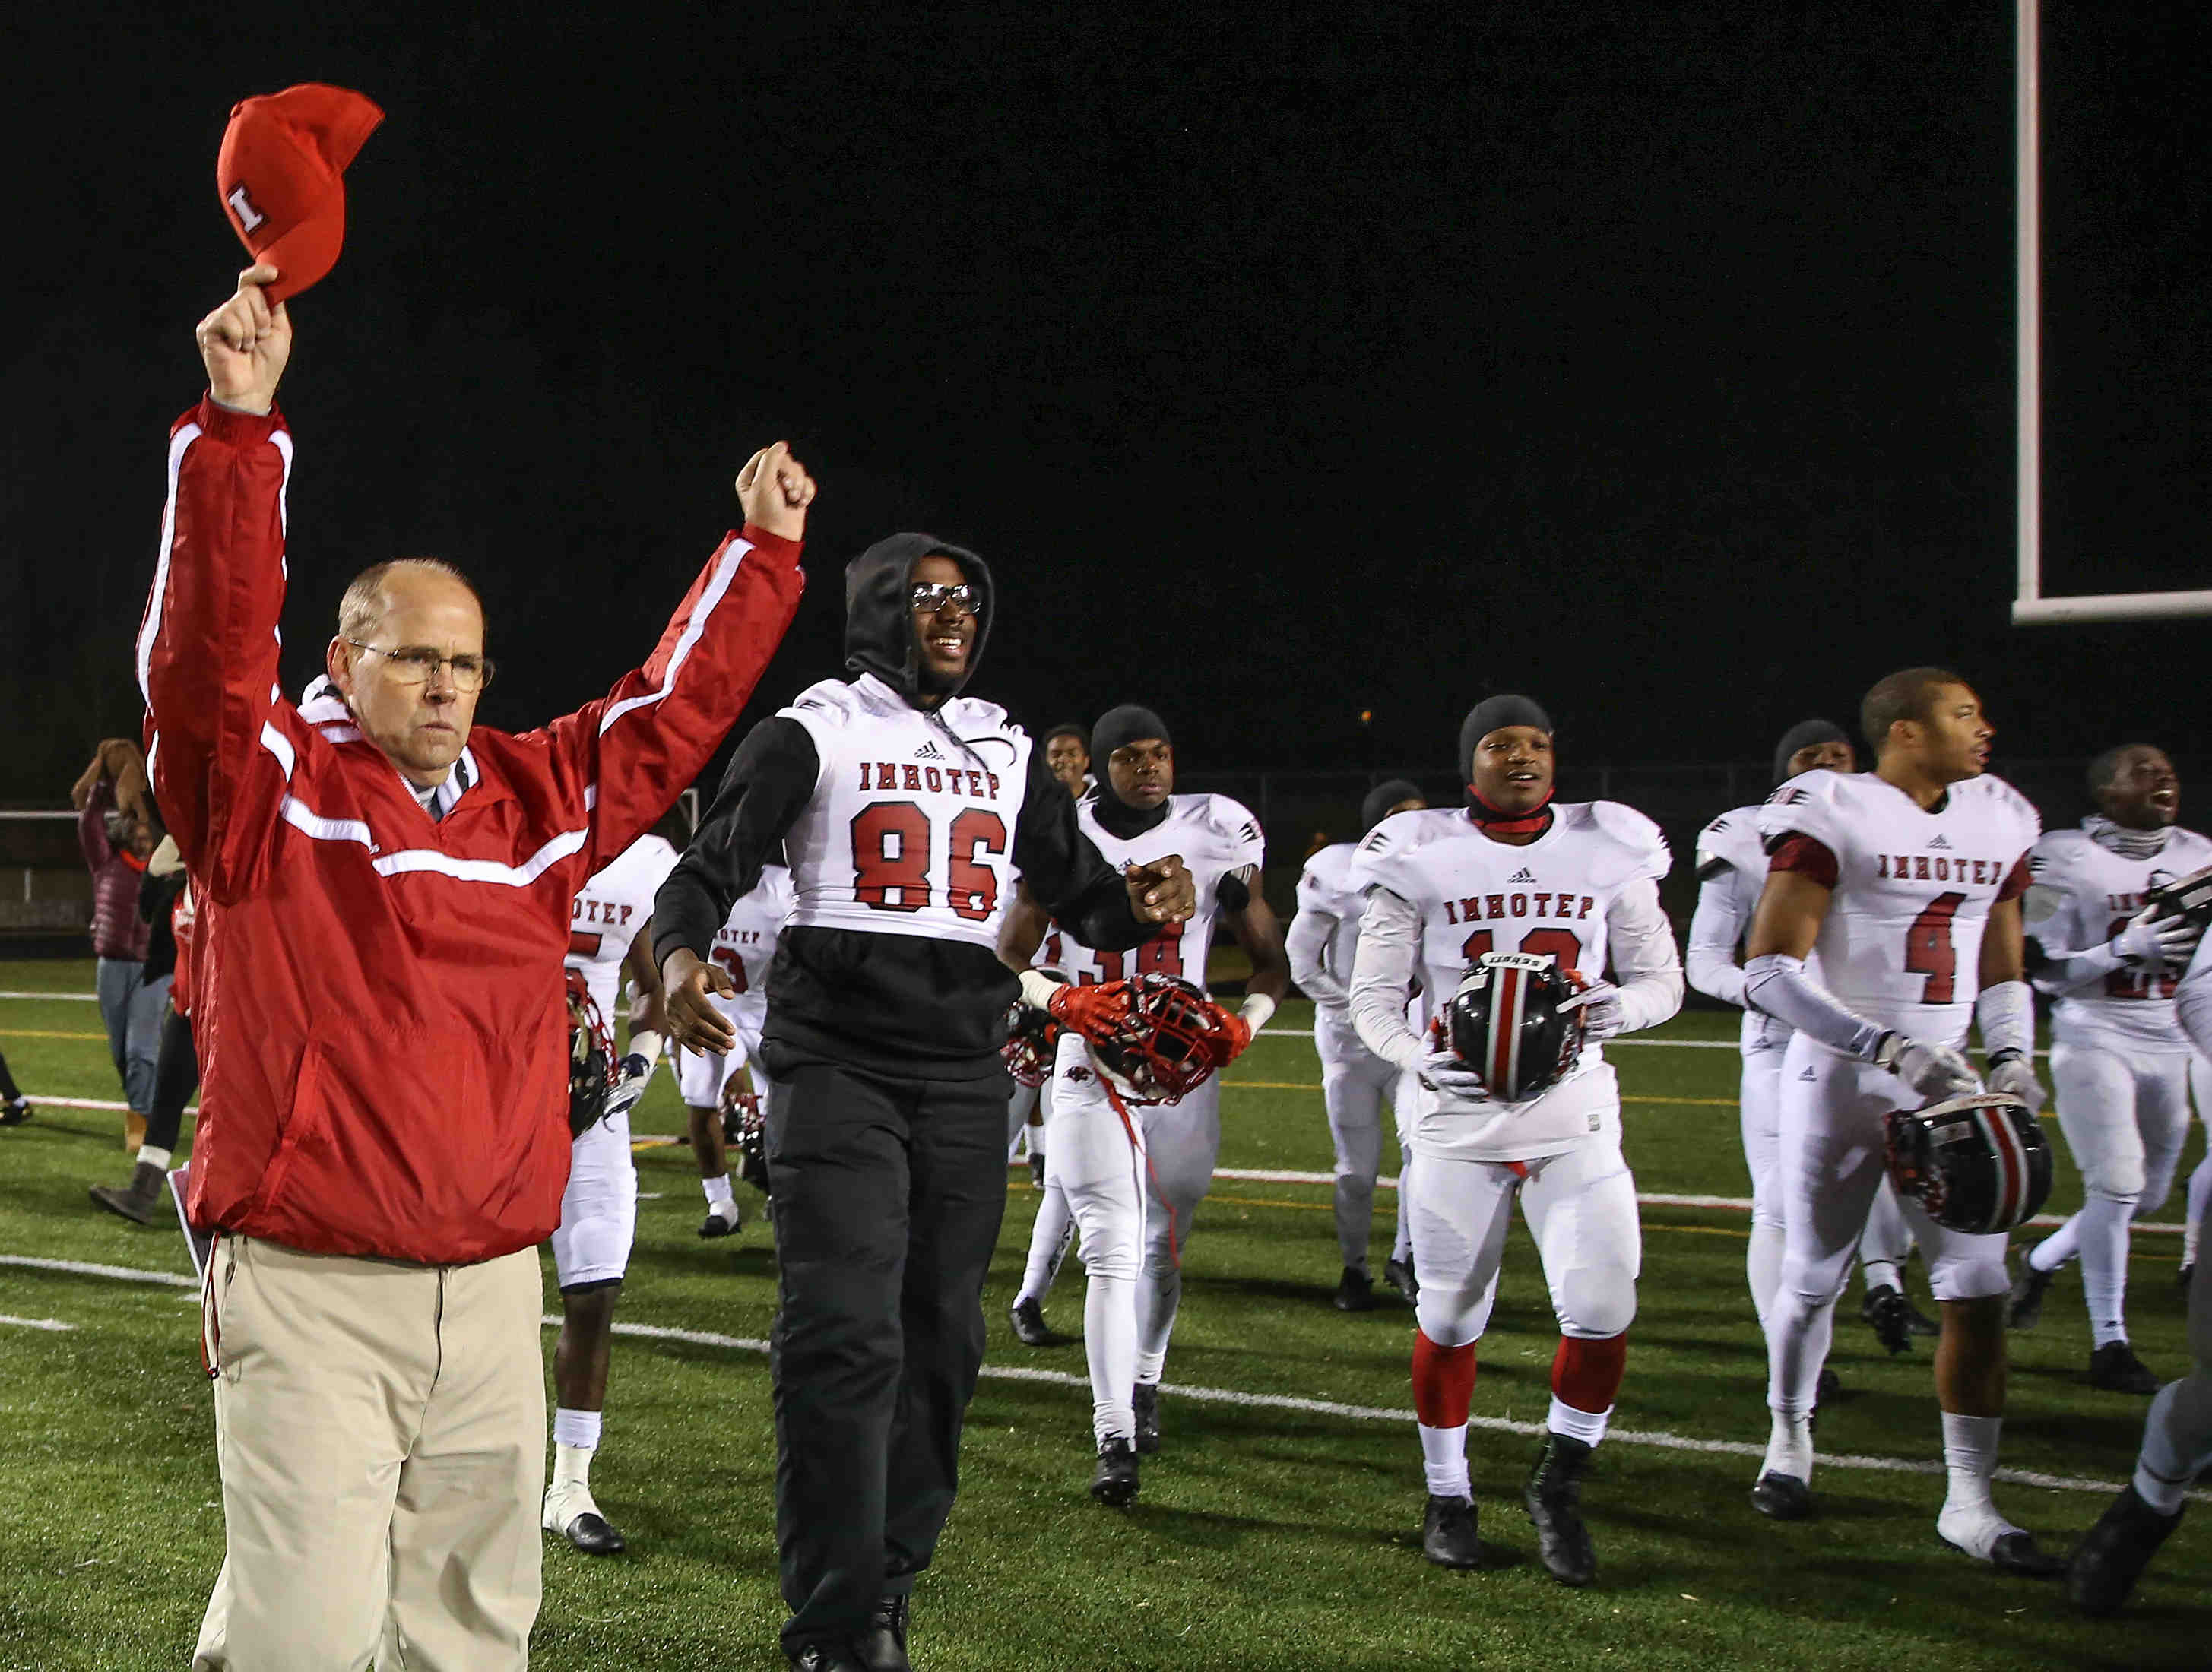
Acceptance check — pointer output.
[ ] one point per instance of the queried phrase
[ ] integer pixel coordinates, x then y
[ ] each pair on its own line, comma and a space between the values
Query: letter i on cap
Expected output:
281, 176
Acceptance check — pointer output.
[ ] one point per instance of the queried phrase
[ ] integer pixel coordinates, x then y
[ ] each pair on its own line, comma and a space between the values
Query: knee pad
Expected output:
1449, 1326
1968, 1276
2118, 1179
1595, 1306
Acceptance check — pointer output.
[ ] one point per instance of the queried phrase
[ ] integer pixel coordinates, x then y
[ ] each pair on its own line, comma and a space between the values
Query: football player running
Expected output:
1052, 1231
2119, 1061
2177, 1442
1576, 885
1354, 1080
609, 927
1134, 1173
744, 950
904, 809
1731, 872
1906, 881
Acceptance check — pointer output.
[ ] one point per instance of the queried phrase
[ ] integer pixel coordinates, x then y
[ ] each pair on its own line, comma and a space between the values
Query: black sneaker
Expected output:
1399, 1274
1114, 1482
1554, 1497
1355, 1292
2113, 1554
882, 1647
1030, 1327
2115, 1368
1145, 1400
2027, 1292
1781, 1497
1887, 1314
1448, 1533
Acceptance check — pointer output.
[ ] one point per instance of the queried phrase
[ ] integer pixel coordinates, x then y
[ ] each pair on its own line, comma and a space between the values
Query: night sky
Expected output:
1656, 361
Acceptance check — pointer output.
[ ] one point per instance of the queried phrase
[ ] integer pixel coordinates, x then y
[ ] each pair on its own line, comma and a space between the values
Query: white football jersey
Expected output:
2083, 895
1552, 898
609, 912
910, 830
746, 945
1325, 886
1215, 837
1902, 942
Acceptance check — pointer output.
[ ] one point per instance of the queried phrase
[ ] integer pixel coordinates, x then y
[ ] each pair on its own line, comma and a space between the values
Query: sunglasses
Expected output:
928, 597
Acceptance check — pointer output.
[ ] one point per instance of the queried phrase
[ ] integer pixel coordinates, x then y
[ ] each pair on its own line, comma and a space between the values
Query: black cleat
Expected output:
1889, 1314
1114, 1482
716, 1223
2115, 1368
1399, 1274
1553, 1497
1920, 1324
1030, 1327
2027, 1292
2018, 1554
2113, 1554
1145, 1400
1448, 1533
1780, 1497
571, 1511
1355, 1292
824, 1658
1828, 1389
882, 1647
15, 1112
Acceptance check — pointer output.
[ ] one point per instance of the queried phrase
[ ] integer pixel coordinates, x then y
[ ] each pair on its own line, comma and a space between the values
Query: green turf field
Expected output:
1271, 1534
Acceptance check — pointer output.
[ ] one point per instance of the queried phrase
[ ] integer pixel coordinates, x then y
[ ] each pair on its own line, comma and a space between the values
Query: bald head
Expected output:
403, 580
399, 624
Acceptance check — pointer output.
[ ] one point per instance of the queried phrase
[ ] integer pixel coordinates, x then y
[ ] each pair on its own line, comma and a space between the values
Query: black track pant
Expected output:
176, 1077
888, 1197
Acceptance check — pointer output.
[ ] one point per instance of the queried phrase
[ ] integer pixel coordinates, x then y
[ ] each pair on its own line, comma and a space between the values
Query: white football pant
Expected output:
599, 1208
2177, 1445
1354, 1083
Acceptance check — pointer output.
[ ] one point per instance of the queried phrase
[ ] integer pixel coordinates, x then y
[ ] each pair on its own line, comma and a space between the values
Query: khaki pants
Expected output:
380, 1429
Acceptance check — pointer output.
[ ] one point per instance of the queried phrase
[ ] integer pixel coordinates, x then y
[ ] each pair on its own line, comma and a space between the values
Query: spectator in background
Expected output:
165, 902
115, 827
1067, 752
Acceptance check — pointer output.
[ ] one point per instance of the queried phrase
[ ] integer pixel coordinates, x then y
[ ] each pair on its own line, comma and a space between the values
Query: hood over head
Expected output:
879, 623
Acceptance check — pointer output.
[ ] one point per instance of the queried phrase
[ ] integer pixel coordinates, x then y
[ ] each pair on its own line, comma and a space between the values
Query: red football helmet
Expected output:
592, 1068
1032, 1038
1162, 1038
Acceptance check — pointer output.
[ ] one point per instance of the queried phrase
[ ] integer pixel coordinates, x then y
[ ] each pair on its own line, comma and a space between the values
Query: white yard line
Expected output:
73, 998
36, 1323
1654, 1439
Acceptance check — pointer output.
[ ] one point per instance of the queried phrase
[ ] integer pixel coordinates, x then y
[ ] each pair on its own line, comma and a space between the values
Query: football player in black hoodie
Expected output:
905, 810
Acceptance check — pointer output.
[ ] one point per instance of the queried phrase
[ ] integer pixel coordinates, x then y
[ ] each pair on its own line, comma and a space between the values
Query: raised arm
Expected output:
221, 757
641, 746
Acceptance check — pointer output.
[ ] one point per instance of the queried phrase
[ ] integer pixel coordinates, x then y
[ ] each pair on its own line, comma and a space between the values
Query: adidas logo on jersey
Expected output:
1524, 875
930, 752
1938, 842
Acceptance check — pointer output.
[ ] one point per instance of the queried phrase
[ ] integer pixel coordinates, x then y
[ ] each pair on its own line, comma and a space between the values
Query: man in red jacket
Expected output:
379, 1008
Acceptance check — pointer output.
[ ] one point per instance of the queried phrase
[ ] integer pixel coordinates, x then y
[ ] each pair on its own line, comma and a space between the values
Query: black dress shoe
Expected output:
1782, 1497
2115, 1368
1114, 1482
2113, 1554
882, 1647
1448, 1537
1553, 1497
824, 1657
1145, 1403
1355, 1292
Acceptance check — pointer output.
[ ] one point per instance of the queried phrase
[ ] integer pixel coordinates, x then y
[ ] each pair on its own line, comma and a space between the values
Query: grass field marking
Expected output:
41, 1099
44, 1033
35, 1323
73, 998
1653, 1438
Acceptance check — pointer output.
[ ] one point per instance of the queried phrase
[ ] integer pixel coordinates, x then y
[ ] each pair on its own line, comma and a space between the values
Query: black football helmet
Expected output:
1167, 1039
2189, 898
1032, 1038
1977, 1163
1506, 1022
592, 1070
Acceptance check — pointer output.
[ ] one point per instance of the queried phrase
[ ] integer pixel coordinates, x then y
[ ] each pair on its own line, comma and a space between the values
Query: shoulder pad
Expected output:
2054, 854
1731, 842
828, 703
1232, 823
963, 714
1646, 842
1380, 856
2004, 795
1806, 806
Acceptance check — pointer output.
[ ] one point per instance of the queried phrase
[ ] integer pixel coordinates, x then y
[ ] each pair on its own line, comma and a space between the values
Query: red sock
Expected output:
1443, 1383
1587, 1374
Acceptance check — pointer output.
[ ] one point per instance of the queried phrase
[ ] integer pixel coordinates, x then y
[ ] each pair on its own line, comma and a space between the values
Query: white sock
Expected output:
2060, 1246
1159, 1293
575, 1437
2103, 1238
1882, 1273
149, 1156
719, 1194
1762, 1266
1443, 1461
1970, 1457
1798, 1334
1588, 1426
1790, 1447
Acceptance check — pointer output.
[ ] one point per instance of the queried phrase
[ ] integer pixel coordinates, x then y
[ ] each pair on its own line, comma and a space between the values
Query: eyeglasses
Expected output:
928, 597
418, 665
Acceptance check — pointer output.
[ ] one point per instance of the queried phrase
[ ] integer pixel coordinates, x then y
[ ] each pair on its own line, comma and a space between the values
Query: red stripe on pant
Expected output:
1586, 1375
1443, 1383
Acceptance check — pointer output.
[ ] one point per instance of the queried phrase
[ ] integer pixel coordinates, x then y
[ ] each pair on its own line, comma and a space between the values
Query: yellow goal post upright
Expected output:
2029, 605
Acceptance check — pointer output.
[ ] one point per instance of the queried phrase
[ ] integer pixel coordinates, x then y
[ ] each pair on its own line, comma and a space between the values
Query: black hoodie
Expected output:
910, 1007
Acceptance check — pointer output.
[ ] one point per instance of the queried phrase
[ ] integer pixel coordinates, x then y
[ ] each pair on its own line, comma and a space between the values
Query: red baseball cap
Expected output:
281, 176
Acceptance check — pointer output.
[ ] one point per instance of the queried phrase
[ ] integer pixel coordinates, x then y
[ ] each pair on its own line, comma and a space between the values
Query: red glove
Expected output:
1090, 1011
1239, 1032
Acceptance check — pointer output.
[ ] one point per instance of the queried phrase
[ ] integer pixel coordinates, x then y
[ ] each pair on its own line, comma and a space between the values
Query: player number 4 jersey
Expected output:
2083, 894
605, 917
910, 829
1216, 836
1911, 888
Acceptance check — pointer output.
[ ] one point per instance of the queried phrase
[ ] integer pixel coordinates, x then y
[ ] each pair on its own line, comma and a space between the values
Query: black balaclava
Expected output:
1116, 726
879, 620
1383, 797
1484, 718
1804, 735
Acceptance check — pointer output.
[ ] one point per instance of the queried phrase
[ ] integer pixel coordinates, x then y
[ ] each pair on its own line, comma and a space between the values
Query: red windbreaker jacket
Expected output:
378, 997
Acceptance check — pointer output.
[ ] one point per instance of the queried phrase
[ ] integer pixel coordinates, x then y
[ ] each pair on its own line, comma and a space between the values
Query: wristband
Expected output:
1256, 1010
1037, 989
2006, 1014
645, 1042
